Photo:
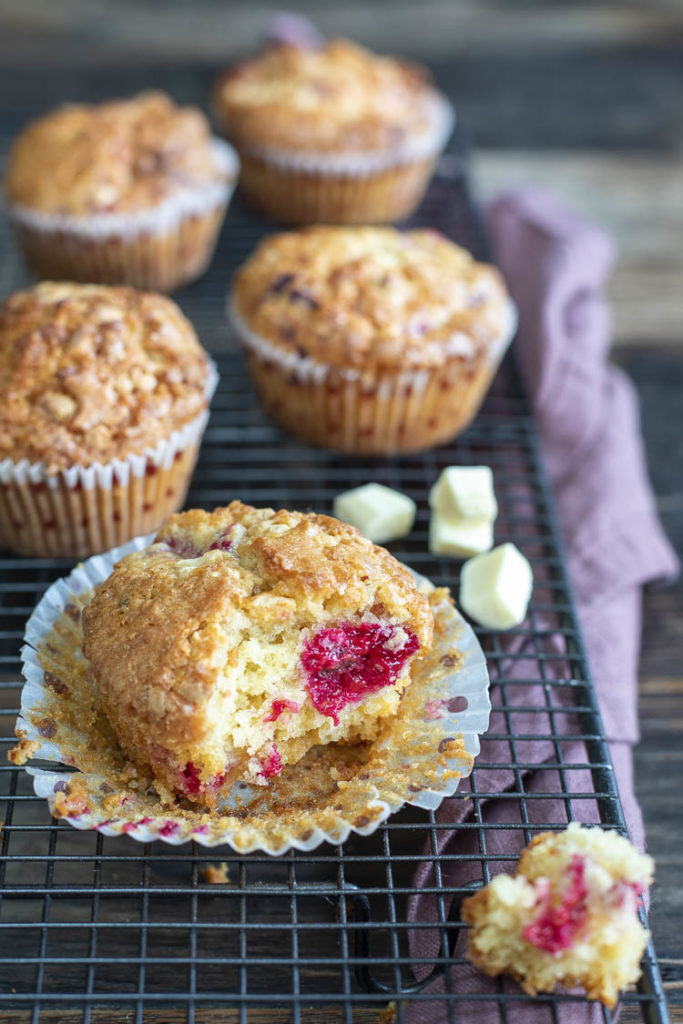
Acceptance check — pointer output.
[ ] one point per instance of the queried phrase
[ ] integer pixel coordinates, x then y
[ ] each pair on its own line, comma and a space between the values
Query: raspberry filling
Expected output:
343, 664
278, 706
556, 927
190, 778
625, 894
271, 763
191, 782
184, 548
222, 542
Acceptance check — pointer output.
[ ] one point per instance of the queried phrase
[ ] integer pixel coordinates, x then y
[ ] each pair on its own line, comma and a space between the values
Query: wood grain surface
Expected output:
584, 99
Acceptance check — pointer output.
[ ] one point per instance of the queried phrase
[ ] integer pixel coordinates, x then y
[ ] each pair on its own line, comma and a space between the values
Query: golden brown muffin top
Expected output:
371, 297
338, 98
90, 373
115, 157
165, 618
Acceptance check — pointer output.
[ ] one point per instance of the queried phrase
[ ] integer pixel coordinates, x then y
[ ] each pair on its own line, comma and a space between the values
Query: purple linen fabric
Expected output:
556, 265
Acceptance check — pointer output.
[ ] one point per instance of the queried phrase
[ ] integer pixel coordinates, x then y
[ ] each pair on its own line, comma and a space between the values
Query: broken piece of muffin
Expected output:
568, 916
240, 638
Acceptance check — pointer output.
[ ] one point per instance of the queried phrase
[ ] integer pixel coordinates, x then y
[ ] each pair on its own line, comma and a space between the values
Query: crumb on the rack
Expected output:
568, 916
71, 798
388, 1014
24, 750
216, 874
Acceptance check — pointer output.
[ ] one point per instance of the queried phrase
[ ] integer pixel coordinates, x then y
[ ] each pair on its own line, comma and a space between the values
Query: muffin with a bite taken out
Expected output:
241, 638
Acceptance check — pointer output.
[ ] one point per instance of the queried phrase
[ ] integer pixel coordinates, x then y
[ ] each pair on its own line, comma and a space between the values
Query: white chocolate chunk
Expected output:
380, 513
464, 537
495, 588
465, 492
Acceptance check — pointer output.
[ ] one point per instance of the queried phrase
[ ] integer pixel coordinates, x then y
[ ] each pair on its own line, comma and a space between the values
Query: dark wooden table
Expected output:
582, 98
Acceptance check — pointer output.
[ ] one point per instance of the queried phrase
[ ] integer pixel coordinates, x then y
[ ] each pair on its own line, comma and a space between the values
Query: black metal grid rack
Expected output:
94, 929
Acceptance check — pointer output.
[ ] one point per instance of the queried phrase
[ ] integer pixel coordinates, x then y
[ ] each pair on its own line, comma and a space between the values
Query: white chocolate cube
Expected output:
495, 587
465, 492
380, 513
462, 537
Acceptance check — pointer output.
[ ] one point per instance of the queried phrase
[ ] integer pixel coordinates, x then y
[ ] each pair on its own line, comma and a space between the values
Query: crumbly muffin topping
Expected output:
116, 157
242, 637
90, 373
335, 99
371, 297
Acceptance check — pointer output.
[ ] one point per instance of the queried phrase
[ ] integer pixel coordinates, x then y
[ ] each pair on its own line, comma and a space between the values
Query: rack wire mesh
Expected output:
95, 929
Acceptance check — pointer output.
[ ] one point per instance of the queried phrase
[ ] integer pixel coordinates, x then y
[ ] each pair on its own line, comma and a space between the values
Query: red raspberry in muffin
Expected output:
241, 638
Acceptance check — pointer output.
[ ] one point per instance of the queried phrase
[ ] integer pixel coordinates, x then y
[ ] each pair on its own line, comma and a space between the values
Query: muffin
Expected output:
332, 135
241, 638
126, 192
104, 397
370, 340
568, 916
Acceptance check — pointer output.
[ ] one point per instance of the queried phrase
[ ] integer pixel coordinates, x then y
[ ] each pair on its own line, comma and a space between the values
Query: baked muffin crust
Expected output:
371, 297
90, 373
335, 99
204, 645
117, 157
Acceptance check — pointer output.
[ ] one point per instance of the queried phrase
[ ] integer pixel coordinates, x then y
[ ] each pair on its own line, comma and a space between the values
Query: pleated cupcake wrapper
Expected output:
155, 248
81, 509
419, 759
354, 163
368, 412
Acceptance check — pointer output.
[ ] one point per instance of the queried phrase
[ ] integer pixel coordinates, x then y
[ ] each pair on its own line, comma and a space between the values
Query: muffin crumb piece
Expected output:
216, 874
568, 916
23, 752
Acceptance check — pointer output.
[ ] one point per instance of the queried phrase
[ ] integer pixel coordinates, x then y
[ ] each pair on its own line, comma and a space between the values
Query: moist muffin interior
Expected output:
241, 638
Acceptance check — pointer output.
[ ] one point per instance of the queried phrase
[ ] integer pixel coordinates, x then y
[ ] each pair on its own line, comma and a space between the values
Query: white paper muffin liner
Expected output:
356, 163
365, 411
419, 759
81, 509
158, 248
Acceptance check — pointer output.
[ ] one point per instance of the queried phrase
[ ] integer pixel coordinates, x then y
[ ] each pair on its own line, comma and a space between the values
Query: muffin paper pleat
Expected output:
419, 758
369, 411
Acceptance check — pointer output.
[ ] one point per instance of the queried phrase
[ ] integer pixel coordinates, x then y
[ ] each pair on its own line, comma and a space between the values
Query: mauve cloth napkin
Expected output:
556, 264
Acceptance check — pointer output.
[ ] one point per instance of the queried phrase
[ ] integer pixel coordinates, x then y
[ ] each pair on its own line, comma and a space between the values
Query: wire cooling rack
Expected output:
95, 929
